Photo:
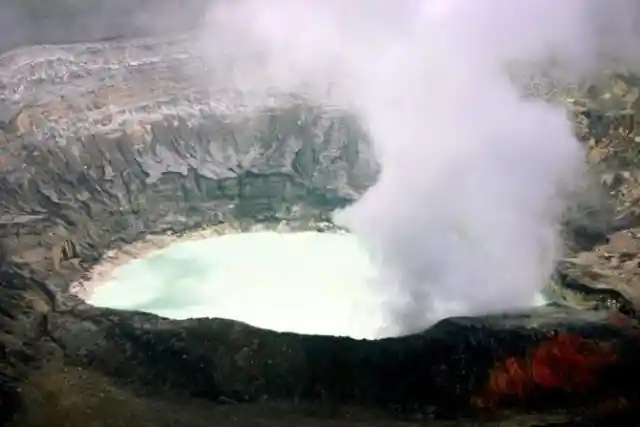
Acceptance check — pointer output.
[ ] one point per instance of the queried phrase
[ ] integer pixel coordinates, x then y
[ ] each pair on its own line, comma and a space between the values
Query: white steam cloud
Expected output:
474, 177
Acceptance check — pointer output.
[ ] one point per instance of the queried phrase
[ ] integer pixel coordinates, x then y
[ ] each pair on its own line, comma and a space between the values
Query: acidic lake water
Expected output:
305, 282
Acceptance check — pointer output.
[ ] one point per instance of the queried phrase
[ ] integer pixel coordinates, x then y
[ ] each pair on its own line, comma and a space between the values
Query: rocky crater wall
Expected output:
122, 160
102, 144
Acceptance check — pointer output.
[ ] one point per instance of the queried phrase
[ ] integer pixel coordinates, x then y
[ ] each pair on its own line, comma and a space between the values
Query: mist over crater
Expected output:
473, 183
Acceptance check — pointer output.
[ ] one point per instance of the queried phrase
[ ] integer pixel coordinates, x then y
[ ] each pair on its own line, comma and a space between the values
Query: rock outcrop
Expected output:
103, 144
601, 268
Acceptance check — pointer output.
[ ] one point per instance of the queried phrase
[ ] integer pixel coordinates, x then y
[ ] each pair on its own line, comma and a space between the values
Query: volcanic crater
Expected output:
113, 149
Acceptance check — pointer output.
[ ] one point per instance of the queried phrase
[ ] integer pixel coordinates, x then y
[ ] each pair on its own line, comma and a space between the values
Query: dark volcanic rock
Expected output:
220, 359
103, 144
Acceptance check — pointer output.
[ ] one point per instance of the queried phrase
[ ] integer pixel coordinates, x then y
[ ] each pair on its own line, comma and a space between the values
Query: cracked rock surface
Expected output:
104, 144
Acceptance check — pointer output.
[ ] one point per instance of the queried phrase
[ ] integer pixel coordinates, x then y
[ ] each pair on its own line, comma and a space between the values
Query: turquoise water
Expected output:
307, 282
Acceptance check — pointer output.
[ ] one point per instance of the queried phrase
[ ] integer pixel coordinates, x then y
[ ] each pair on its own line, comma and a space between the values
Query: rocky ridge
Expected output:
104, 144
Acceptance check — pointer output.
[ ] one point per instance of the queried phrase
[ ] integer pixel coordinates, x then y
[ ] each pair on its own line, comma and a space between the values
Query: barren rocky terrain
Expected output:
104, 144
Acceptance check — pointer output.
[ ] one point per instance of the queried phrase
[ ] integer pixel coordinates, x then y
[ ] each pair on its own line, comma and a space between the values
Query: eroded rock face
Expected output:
601, 267
102, 144
86, 160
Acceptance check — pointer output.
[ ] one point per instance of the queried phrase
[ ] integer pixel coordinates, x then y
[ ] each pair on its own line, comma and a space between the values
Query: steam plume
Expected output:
467, 209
